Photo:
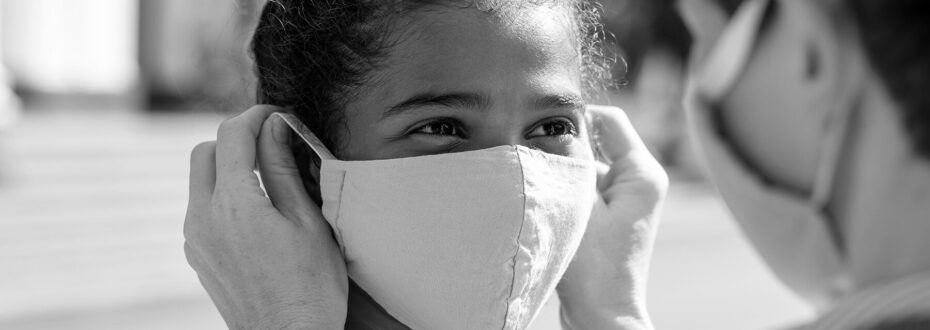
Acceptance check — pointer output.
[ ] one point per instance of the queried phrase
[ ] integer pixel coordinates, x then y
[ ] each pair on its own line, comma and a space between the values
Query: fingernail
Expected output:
279, 130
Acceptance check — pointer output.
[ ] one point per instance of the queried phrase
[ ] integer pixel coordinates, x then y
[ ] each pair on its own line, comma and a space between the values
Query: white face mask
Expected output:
470, 240
802, 245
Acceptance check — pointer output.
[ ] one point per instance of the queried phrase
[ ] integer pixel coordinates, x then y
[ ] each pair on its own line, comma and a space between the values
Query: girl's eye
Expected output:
554, 128
441, 127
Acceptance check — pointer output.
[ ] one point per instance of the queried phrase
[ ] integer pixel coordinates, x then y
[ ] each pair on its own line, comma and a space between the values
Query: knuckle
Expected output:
227, 127
660, 178
192, 223
191, 257
187, 251
203, 147
652, 191
658, 181
202, 150
188, 228
198, 219
653, 180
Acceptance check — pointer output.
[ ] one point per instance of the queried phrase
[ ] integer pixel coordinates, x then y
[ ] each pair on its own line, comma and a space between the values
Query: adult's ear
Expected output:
836, 60
825, 65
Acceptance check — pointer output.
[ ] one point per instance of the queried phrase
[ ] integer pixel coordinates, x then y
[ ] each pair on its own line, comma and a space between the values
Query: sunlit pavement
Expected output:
92, 205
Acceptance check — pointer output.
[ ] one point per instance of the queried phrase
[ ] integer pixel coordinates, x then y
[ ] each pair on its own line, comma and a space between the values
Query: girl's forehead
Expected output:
506, 57
514, 14
445, 36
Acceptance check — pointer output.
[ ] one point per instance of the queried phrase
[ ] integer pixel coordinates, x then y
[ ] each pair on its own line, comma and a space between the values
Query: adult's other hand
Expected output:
268, 262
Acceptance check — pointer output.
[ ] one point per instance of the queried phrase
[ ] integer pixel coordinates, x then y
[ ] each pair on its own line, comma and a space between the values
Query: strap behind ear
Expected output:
305, 134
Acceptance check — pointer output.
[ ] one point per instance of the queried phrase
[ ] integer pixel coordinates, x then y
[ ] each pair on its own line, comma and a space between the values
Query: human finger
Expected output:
235, 145
279, 171
202, 172
634, 172
615, 134
192, 259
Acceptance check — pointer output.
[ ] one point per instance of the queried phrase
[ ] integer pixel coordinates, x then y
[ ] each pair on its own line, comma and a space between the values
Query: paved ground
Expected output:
92, 203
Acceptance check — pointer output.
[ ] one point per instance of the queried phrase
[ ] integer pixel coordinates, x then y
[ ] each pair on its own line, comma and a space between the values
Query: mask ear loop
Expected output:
305, 134
315, 156
838, 131
837, 125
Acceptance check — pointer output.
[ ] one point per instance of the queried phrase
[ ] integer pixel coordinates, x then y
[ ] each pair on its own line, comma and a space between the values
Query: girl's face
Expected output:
460, 79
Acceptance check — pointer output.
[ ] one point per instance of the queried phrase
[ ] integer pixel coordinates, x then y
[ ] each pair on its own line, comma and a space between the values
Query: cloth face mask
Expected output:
470, 240
801, 243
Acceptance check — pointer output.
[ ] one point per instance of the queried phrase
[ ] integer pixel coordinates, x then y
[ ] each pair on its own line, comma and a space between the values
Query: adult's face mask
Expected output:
802, 244
470, 240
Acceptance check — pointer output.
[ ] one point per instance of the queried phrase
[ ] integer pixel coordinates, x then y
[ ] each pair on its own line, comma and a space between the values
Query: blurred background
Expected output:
102, 100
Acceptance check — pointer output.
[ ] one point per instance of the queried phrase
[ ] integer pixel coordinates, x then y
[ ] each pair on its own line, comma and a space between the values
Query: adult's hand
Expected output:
605, 285
266, 265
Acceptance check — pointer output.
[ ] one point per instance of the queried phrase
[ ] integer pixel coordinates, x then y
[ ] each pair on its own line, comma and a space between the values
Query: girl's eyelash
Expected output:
568, 123
453, 124
452, 127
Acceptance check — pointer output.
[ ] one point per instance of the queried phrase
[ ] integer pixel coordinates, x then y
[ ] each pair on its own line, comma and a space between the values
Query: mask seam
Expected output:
513, 281
337, 231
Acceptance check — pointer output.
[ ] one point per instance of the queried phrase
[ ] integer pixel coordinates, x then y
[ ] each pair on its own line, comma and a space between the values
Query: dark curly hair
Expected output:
312, 55
896, 38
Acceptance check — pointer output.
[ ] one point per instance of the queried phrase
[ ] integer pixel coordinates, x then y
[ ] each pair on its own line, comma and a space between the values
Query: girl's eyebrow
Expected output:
473, 101
480, 102
556, 101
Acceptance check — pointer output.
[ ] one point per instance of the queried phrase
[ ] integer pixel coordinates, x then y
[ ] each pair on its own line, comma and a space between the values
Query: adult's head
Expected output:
393, 78
822, 101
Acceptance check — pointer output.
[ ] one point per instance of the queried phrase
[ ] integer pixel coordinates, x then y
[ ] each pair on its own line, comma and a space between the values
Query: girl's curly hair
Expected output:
312, 55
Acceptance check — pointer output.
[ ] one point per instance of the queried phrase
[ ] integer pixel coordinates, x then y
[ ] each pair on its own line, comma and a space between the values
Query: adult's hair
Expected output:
312, 55
896, 38
916, 322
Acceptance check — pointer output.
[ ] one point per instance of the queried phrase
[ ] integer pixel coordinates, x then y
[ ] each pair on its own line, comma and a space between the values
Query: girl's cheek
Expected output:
578, 146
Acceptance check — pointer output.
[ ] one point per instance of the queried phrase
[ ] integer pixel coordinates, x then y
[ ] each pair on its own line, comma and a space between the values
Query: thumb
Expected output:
634, 172
279, 171
615, 133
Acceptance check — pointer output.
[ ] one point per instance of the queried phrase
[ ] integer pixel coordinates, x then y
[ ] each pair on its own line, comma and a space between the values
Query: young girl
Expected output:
462, 159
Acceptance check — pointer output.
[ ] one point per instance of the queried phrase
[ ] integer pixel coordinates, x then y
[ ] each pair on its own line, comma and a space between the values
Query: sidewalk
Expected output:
92, 205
